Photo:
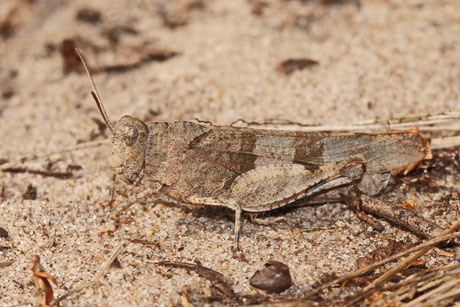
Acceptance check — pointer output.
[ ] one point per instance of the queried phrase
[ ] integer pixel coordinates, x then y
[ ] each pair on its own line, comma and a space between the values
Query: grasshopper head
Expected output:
129, 139
128, 148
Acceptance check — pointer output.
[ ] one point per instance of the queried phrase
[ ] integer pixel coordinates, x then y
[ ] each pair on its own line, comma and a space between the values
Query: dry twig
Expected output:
370, 268
15, 163
399, 216
403, 264
217, 280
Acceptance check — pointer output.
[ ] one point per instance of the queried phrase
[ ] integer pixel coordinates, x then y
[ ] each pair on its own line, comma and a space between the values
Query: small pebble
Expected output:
274, 278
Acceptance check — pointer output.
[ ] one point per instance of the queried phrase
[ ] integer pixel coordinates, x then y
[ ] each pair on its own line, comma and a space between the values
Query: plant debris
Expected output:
71, 62
217, 280
289, 66
258, 6
44, 291
178, 14
394, 213
113, 34
30, 193
414, 252
443, 163
3, 233
15, 18
115, 264
273, 278
152, 55
6, 264
124, 58
381, 253
352, 202
89, 15
61, 175
71, 168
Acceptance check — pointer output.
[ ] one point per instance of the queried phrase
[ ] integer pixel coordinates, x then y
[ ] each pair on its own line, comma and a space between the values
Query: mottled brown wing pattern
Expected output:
241, 150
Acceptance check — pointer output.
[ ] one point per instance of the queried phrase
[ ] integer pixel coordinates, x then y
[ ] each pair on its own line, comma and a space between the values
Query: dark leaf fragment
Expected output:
8, 92
71, 61
44, 291
73, 168
115, 33
3, 193
3, 233
30, 193
7, 29
381, 253
116, 264
258, 7
291, 65
89, 15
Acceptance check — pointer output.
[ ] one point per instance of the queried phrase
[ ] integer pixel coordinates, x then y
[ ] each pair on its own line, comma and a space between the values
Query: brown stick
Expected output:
60, 175
353, 202
399, 216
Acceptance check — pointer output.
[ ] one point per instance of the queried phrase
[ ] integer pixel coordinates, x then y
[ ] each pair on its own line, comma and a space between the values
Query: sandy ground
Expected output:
376, 58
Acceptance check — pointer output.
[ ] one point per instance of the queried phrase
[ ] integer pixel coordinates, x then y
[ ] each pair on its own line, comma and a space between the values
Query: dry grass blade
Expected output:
403, 264
420, 282
446, 121
449, 295
447, 289
424, 282
372, 287
445, 142
365, 270
120, 248
431, 124
15, 163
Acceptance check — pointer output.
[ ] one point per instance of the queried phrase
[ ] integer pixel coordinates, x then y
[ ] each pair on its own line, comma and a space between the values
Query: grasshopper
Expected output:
252, 170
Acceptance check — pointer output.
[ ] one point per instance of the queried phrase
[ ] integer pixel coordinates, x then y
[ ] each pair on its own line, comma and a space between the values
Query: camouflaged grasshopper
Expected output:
253, 170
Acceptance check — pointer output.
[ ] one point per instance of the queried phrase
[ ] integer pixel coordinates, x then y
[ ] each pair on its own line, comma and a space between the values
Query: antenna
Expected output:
95, 93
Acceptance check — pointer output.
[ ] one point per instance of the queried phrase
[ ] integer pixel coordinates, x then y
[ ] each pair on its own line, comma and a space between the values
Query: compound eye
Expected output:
130, 135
